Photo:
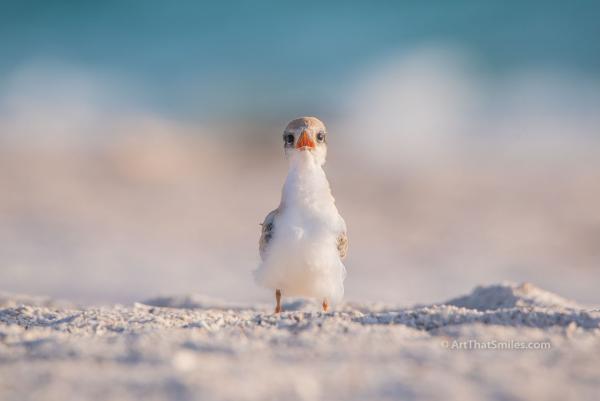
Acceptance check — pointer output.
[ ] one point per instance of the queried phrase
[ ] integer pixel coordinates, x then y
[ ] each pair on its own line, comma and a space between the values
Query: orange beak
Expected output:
305, 142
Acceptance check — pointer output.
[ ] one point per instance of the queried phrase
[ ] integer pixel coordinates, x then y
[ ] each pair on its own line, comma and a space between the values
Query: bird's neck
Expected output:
306, 185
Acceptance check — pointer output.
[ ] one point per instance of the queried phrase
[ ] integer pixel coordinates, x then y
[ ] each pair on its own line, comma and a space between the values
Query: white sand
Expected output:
192, 348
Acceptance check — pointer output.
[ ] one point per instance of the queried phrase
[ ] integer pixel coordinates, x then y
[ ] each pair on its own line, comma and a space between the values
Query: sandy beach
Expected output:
500, 342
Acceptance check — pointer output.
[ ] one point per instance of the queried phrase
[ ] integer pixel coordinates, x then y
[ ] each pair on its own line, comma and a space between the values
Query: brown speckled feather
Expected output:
342, 245
267, 232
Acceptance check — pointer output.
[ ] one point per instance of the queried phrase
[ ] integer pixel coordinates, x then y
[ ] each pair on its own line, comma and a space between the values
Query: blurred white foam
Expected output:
432, 103
57, 104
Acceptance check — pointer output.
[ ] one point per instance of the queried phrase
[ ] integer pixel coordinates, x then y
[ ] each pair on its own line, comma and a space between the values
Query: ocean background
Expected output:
140, 143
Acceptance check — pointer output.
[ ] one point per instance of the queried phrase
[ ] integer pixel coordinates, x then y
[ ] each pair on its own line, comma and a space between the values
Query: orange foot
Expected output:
278, 300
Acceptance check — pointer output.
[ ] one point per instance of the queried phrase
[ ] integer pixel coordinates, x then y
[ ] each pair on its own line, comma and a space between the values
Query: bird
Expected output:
304, 240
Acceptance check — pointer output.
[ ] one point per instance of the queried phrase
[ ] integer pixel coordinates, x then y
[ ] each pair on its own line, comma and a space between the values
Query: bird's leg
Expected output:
278, 299
325, 305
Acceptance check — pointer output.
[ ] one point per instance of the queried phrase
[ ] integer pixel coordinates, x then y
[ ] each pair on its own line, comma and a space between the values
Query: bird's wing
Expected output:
267, 232
342, 244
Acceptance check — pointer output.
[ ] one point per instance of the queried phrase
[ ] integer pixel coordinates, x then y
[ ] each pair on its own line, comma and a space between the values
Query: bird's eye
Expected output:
288, 139
320, 137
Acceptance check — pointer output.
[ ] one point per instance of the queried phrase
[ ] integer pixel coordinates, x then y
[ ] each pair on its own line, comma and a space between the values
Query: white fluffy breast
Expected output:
302, 258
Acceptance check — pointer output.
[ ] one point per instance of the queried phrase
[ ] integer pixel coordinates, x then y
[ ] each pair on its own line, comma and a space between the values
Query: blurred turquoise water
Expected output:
193, 59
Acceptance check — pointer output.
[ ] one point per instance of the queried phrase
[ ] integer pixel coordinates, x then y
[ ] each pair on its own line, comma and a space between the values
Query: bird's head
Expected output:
306, 134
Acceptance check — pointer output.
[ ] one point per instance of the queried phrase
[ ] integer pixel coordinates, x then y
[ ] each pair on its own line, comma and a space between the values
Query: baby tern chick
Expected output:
304, 240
